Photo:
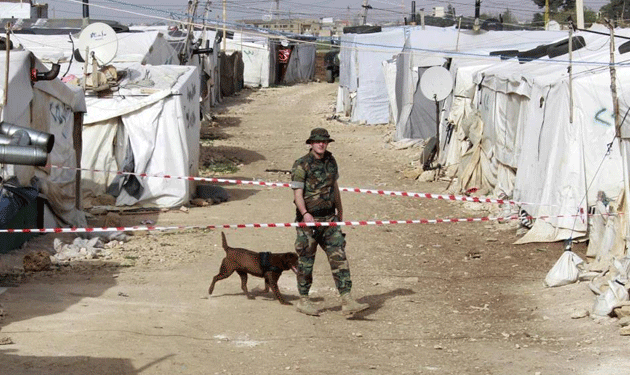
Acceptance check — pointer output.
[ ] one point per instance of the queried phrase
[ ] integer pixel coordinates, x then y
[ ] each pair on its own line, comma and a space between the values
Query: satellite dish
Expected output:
436, 83
267, 17
101, 40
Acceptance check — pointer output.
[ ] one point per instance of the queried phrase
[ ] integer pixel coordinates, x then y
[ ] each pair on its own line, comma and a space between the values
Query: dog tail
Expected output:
225, 245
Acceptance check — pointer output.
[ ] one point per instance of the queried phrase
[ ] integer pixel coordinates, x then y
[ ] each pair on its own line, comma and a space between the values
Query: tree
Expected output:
616, 9
508, 17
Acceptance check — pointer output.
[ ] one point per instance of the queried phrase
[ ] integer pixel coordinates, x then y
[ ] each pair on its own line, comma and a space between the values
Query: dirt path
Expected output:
445, 298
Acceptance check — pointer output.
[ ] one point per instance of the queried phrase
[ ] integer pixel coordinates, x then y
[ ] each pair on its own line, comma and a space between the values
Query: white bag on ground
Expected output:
607, 301
565, 271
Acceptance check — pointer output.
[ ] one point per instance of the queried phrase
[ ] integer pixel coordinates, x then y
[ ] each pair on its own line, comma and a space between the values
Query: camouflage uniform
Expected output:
317, 177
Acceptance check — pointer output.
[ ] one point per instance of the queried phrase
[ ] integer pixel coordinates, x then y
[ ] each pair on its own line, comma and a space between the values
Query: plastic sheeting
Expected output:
301, 66
47, 106
162, 130
543, 158
361, 72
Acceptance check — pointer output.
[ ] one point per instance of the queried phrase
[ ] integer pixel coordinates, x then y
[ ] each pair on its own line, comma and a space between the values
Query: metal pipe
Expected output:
42, 140
46, 76
23, 155
86, 9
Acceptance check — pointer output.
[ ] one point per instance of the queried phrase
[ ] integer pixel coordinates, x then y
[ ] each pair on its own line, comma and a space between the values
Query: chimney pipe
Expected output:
86, 13
413, 12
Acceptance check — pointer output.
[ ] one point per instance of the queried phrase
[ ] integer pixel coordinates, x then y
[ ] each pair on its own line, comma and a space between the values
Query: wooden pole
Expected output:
571, 73
622, 144
224, 21
6, 67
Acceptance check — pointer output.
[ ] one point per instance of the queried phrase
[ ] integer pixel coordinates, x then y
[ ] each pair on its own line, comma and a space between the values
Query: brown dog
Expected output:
266, 265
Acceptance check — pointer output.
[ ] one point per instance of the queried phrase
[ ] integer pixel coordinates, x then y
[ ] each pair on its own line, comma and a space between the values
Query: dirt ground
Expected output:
445, 298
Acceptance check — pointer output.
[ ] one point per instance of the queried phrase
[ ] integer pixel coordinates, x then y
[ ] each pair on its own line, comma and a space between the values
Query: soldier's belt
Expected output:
322, 212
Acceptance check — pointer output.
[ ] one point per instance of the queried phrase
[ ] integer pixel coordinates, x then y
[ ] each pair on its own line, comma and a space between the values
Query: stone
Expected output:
579, 313
625, 321
36, 261
622, 311
413, 174
198, 202
112, 219
105, 200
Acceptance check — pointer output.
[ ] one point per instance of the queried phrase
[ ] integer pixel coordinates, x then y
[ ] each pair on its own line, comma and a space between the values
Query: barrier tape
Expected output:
284, 184
277, 225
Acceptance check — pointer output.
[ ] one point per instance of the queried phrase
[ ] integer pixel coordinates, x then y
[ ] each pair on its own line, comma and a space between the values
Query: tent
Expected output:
541, 136
271, 61
362, 93
48, 106
150, 124
415, 115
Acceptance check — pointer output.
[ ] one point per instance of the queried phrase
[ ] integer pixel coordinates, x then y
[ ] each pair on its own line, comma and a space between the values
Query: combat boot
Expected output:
305, 306
349, 306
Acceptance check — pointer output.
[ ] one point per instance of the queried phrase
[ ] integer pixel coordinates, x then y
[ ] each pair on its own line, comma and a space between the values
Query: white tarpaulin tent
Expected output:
148, 47
530, 149
362, 93
261, 61
425, 48
47, 106
152, 130
258, 59
149, 125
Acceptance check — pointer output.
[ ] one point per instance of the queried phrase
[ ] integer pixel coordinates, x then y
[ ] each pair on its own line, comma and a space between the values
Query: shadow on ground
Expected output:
27, 365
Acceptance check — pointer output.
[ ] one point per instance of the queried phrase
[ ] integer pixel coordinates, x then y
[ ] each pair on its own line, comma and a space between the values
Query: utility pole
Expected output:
224, 31
364, 12
477, 12
402, 7
413, 13
546, 14
618, 123
579, 10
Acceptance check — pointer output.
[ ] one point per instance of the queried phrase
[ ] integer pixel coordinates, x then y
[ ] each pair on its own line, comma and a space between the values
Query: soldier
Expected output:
317, 199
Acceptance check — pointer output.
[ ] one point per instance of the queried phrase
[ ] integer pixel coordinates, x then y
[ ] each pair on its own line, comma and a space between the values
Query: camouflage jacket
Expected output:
317, 177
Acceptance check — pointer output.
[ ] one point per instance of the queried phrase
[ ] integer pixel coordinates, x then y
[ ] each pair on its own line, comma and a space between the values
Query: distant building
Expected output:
22, 9
438, 12
324, 27
294, 26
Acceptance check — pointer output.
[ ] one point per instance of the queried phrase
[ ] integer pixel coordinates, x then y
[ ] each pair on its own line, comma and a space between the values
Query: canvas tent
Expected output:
362, 93
413, 113
48, 106
207, 62
145, 129
526, 144
150, 124
269, 60
258, 60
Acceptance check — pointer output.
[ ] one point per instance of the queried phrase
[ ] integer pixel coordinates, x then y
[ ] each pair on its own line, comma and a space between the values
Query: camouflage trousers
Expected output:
333, 242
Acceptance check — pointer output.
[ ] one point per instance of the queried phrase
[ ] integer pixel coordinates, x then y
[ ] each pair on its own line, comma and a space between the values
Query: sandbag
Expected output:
611, 298
565, 271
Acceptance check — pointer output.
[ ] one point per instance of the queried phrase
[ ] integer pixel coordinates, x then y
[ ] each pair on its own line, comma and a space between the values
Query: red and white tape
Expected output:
274, 225
284, 184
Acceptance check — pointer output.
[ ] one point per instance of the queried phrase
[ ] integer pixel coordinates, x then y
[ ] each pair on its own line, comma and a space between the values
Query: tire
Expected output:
330, 77
625, 47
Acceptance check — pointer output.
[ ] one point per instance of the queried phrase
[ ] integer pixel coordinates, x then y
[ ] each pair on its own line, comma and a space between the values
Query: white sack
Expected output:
565, 271
607, 301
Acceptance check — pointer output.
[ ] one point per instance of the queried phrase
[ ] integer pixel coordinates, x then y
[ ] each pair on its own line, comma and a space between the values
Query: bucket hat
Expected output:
318, 135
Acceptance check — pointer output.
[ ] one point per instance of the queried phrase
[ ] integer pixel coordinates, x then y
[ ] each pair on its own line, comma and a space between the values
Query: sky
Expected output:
151, 11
